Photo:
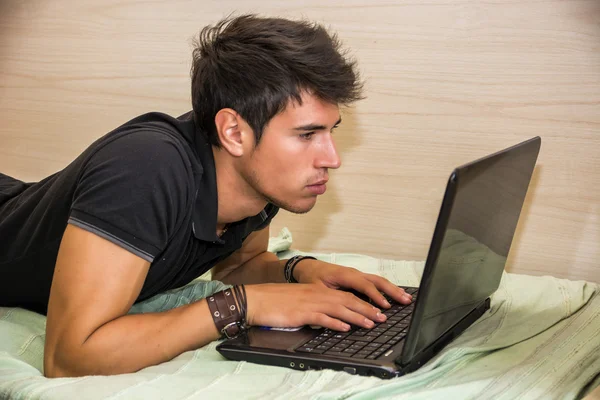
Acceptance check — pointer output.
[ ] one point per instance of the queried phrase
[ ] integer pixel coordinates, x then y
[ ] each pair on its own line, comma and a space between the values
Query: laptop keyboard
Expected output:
365, 343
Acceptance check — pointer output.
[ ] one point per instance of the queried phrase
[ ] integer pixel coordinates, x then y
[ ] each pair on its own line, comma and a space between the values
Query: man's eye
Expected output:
306, 136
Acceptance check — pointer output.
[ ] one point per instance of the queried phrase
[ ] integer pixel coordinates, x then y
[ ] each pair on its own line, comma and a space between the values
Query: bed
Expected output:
540, 339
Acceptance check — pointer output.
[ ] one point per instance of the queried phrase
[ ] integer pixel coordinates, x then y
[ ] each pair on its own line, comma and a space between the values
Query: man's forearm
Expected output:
133, 342
263, 268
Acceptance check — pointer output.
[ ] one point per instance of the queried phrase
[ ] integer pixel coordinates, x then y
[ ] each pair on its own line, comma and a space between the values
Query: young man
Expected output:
161, 200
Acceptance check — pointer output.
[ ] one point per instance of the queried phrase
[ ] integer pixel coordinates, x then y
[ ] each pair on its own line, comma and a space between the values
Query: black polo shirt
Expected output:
149, 186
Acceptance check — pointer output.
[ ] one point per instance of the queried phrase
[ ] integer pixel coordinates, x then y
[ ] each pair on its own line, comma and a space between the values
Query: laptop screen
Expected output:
488, 197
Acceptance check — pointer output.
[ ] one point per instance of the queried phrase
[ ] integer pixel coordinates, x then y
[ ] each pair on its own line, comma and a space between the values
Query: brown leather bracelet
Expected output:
226, 314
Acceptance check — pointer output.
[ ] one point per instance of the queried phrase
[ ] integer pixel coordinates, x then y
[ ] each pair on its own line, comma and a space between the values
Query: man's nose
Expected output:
329, 157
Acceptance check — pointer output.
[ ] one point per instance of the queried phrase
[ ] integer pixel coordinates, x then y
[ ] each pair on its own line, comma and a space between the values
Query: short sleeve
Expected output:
133, 191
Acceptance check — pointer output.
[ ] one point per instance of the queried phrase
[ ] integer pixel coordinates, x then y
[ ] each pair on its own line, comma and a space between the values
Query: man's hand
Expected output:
292, 305
339, 277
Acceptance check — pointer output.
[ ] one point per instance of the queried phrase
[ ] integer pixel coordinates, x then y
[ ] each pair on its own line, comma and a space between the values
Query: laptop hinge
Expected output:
427, 353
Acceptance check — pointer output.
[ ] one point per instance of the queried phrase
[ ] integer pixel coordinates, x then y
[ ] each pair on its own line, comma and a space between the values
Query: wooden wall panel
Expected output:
447, 81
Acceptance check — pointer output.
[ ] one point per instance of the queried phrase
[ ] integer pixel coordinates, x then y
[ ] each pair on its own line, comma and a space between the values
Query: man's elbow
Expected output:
64, 364
54, 371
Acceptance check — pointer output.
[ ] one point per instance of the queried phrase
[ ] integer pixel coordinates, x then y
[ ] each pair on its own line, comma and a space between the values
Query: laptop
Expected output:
464, 266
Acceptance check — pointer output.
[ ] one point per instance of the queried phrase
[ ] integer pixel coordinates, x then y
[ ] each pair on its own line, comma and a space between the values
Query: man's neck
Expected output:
236, 199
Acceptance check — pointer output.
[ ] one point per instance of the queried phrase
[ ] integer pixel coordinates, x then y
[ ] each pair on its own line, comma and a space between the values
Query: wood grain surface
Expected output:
447, 81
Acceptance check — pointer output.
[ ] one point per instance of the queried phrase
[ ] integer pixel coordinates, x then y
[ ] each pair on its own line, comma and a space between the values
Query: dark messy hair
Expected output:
257, 65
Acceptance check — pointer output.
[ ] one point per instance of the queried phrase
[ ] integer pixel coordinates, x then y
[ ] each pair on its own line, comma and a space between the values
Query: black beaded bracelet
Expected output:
288, 269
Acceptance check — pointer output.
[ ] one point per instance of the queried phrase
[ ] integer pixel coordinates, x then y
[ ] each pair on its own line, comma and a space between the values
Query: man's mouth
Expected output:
318, 187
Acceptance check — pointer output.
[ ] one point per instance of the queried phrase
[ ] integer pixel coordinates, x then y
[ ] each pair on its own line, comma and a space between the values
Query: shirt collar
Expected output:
206, 207
204, 218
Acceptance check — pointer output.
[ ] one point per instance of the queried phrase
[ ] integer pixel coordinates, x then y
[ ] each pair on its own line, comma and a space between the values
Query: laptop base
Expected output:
251, 347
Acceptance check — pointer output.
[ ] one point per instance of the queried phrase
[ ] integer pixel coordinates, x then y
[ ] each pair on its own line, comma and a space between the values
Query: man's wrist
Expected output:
290, 267
228, 309
303, 264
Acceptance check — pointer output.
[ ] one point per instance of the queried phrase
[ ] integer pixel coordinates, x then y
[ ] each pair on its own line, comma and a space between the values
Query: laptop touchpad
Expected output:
280, 340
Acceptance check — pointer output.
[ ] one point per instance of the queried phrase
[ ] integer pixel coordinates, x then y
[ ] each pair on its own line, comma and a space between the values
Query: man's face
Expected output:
289, 167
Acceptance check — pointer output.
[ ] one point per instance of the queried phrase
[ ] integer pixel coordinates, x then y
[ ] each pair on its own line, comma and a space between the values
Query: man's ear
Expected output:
232, 131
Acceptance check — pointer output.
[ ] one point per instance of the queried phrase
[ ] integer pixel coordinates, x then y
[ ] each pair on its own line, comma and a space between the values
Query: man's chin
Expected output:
297, 208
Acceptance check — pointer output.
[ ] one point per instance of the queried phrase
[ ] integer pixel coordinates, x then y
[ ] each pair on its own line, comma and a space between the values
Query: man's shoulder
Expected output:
135, 187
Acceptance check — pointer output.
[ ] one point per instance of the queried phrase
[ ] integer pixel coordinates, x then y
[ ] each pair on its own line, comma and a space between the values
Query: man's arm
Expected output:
96, 282
88, 332
252, 263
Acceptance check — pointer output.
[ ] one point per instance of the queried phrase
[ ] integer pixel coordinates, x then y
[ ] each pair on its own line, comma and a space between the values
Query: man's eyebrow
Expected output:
315, 127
